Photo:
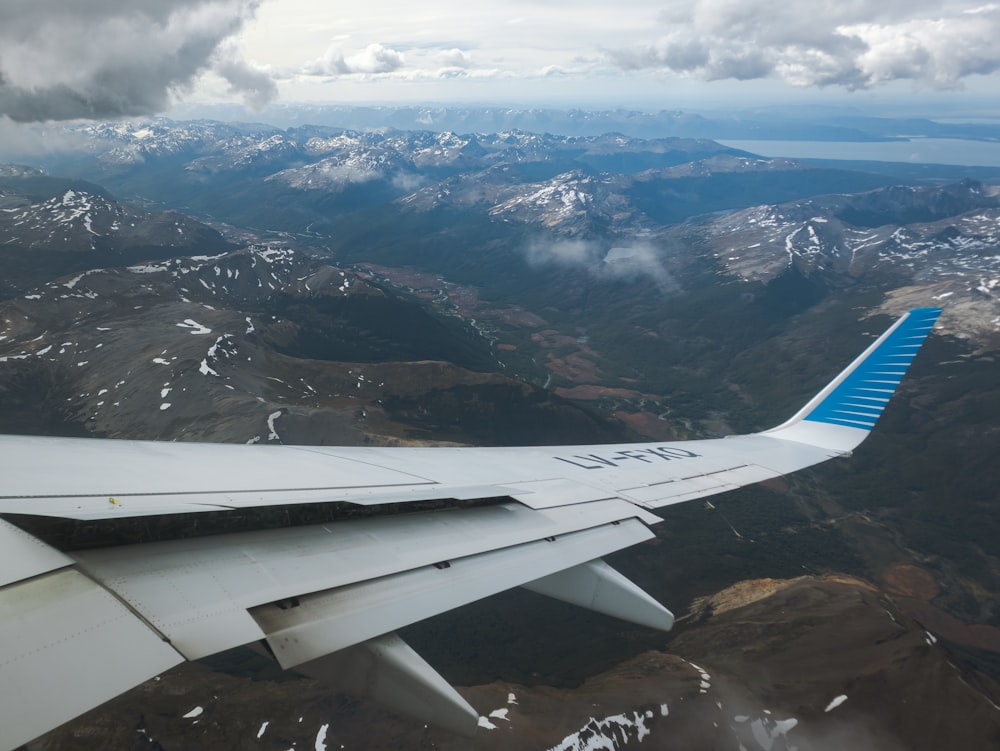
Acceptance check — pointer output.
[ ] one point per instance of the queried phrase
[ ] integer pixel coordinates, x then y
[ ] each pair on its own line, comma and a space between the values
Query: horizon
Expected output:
829, 132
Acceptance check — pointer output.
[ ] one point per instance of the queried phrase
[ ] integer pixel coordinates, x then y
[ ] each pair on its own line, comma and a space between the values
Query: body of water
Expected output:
915, 151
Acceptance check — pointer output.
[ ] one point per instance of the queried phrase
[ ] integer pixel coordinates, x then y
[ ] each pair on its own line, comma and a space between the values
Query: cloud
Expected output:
23, 142
453, 58
562, 253
375, 58
633, 261
63, 60
254, 83
855, 44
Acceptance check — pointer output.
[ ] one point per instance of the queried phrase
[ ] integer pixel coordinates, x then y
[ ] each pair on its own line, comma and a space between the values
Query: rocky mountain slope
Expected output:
51, 226
818, 663
922, 245
260, 343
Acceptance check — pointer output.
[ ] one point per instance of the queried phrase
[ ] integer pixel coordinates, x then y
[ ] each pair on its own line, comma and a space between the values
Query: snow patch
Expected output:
272, 433
766, 731
196, 327
837, 701
194, 713
321, 737
75, 280
611, 733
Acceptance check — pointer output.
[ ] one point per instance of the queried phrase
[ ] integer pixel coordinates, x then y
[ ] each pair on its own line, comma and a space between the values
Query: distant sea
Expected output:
915, 151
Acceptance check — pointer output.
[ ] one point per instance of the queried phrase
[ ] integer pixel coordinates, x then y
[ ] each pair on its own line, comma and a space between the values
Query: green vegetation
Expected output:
670, 199
377, 328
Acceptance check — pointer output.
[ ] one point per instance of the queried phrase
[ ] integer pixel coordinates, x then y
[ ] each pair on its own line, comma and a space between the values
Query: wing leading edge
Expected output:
326, 599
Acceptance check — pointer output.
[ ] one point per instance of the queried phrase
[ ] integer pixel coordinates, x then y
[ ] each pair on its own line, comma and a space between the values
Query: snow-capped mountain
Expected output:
141, 142
952, 259
570, 203
133, 143
80, 221
345, 166
307, 178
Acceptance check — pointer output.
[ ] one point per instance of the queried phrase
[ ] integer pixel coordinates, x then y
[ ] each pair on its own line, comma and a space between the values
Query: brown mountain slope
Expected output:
818, 664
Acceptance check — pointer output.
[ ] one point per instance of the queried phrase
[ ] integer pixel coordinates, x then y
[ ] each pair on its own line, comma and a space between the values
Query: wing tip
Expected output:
844, 412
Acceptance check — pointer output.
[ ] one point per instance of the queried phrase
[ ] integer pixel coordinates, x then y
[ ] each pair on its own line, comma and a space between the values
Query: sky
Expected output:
103, 59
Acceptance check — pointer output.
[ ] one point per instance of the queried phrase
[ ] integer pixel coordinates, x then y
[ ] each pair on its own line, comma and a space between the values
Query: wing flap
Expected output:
67, 645
329, 621
197, 591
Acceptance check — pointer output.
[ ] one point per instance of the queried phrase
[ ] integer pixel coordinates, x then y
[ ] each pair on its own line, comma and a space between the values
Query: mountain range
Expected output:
211, 281
789, 122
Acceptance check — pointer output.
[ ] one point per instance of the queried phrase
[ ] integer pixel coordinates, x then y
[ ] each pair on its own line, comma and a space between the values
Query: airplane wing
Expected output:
359, 543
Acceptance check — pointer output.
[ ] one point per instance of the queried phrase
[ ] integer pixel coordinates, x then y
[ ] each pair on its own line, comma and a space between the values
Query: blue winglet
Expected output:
855, 398
858, 400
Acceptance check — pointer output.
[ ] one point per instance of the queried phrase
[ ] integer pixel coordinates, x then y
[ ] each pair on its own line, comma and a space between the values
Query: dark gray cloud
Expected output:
851, 43
254, 84
63, 59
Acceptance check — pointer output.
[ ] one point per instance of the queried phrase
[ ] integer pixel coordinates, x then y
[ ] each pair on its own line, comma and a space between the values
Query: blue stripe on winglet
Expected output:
859, 399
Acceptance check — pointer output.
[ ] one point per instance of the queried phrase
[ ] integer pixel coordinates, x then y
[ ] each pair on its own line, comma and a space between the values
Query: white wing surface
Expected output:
435, 528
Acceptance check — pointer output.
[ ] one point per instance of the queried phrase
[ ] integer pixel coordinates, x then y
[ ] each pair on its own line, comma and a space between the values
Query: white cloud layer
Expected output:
62, 59
375, 58
454, 58
631, 261
855, 44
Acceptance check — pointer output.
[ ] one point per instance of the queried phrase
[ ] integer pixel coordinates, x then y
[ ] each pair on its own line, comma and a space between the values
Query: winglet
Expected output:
841, 415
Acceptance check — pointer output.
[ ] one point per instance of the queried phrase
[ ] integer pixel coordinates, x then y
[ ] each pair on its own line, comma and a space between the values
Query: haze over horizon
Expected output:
63, 60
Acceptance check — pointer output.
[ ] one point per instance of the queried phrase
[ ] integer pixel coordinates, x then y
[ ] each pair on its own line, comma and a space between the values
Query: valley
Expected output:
206, 281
